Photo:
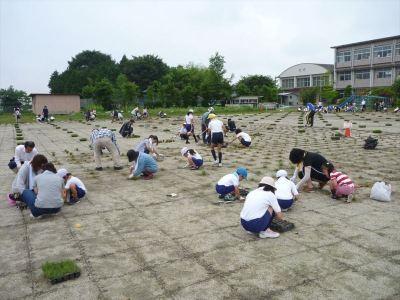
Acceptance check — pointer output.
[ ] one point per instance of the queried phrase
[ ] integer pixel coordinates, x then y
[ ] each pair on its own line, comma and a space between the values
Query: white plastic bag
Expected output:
381, 191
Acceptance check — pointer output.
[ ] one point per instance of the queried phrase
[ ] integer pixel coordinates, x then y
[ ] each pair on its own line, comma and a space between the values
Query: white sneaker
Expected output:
215, 162
35, 218
349, 198
130, 176
268, 234
220, 165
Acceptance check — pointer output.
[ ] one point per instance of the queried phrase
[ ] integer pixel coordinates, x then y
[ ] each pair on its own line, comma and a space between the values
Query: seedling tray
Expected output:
281, 225
57, 272
65, 277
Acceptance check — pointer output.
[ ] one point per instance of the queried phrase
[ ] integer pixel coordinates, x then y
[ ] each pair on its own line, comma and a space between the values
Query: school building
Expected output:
300, 76
56, 103
367, 64
244, 101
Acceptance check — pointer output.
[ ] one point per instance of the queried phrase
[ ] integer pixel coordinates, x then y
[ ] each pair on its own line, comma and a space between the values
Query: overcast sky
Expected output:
255, 37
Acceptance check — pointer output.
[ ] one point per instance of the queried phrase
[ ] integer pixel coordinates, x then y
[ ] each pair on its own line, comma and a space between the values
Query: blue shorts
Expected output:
80, 194
224, 190
197, 162
257, 225
285, 204
244, 143
188, 127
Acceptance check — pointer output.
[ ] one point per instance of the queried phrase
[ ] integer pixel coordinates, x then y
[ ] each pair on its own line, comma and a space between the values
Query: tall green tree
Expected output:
10, 98
103, 92
143, 70
217, 64
84, 68
125, 92
309, 95
396, 89
347, 91
257, 85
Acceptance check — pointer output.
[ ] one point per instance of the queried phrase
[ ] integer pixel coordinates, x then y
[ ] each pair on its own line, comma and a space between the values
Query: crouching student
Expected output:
143, 163
340, 184
74, 189
194, 159
286, 191
46, 198
243, 137
184, 134
228, 186
259, 208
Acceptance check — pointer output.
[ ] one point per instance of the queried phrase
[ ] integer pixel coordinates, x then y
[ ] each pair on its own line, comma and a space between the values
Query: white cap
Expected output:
184, 150
211, 109
62, 173
190, 110
281, 173
268, 180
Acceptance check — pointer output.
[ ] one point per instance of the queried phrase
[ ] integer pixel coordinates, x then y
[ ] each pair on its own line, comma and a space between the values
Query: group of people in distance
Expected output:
44, 189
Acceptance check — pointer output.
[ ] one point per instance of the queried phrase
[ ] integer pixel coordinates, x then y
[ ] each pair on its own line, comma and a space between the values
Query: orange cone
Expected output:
347, 132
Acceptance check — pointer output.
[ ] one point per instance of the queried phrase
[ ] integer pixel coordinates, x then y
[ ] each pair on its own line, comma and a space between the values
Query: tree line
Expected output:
95, 75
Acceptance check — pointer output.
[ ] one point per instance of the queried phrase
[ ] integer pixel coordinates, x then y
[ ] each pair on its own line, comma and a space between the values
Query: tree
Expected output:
143, 70
83, 69
257, 85
10, 98
103, 91
347, 91
125, 92
308, 95
217, 64
329, 94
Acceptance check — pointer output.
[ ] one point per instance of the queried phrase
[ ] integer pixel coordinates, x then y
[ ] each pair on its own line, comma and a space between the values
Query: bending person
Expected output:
47, 195
22, 154
143, 163
101, 139
308, 168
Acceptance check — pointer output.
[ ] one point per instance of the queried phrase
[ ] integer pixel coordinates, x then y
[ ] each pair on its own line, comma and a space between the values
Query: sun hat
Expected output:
62, 173
211, 116
184, 150
281, 173
190, 110
242, 172
268, 180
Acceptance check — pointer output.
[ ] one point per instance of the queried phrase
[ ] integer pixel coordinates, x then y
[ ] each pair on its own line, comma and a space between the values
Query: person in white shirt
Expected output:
243, 137
286, 191
363, 105
259, 208
23, 153
216, 129
74, 189
184, 134
229, 184
194, 159
189, 124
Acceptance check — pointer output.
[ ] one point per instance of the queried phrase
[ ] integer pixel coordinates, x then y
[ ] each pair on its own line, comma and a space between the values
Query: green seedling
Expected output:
74, 135
83, 139
57, 270
376, 131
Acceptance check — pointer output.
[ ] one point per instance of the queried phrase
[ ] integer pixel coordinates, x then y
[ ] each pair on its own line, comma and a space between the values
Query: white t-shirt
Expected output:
76, 181
244, 136
230, 179
285, 189
189, 118
257, 203
20, 155
215, 126
195, 156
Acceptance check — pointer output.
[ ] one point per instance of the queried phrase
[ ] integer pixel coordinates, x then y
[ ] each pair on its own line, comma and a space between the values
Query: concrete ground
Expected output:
132, 241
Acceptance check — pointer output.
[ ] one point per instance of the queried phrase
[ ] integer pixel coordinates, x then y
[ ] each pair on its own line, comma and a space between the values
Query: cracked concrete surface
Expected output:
135, 242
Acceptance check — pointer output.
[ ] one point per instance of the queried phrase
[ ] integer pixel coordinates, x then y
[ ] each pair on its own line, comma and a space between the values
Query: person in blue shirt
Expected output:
143, 163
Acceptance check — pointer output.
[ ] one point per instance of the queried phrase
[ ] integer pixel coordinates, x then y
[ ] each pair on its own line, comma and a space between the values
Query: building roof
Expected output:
369, 41
42, 94
248, 97
305, 69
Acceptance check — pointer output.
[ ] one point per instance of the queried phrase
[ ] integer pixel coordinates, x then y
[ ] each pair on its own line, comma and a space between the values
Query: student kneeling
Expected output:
47, 195
143, 164
259, 209
74, 189
286, 191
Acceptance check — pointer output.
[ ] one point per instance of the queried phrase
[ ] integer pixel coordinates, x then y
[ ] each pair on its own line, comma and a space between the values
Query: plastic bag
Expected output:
381, 191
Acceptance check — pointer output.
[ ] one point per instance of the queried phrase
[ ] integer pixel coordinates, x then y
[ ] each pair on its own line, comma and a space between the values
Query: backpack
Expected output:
370, 143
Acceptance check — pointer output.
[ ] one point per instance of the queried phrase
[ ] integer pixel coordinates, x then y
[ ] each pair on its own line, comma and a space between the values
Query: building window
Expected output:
344, 76
321, 80
303, 82
363, 53
397, 49
383, 51
343, 56
384, 73
288, 83
362, 74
